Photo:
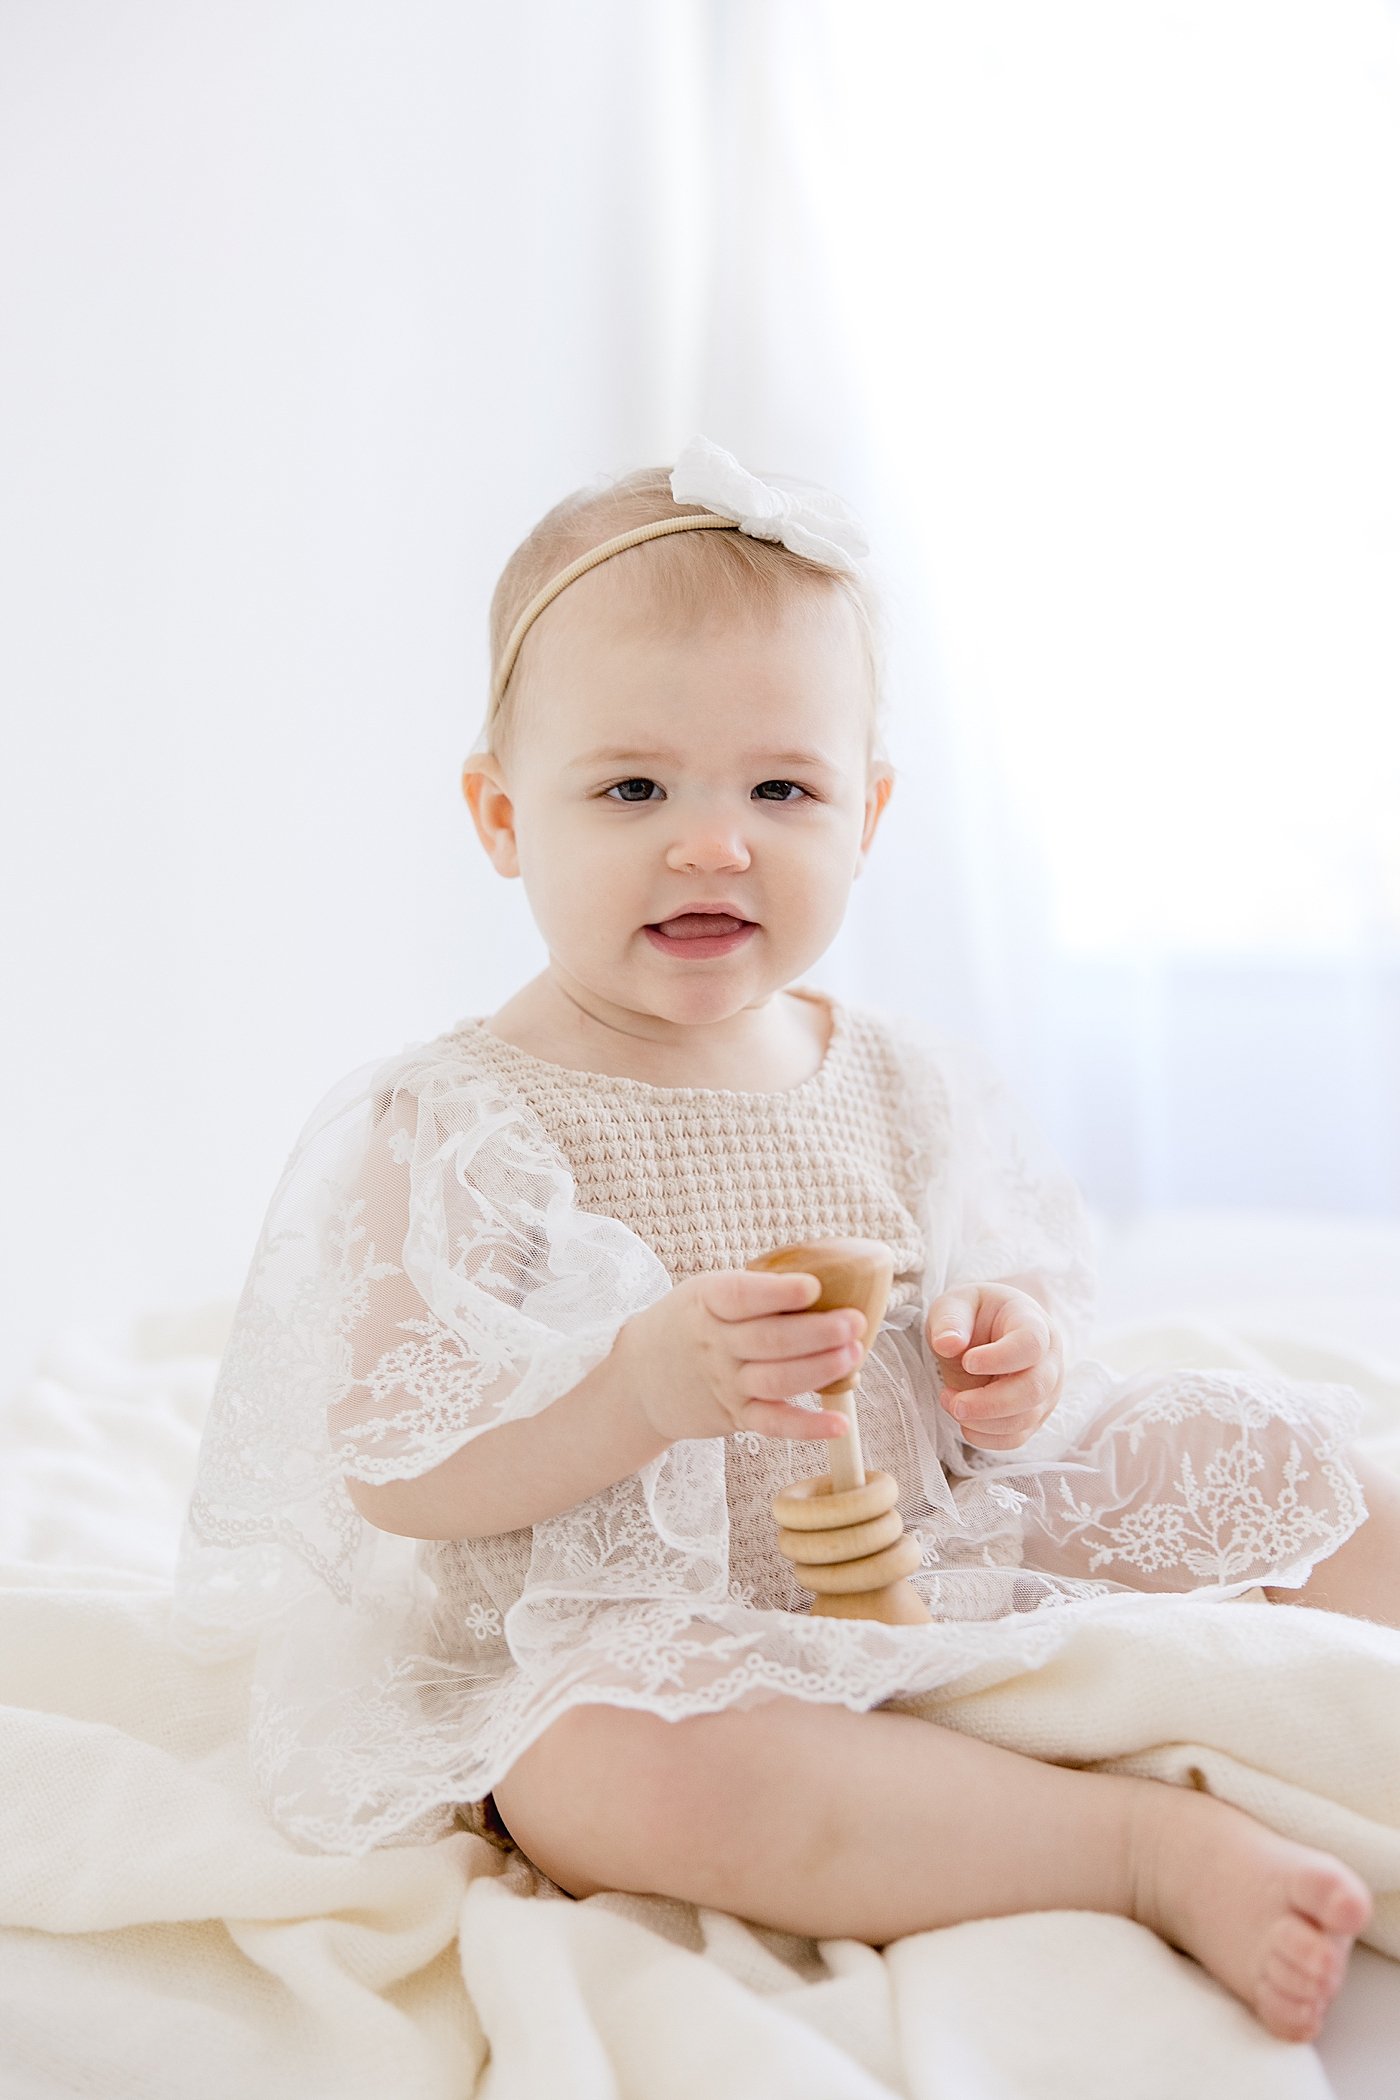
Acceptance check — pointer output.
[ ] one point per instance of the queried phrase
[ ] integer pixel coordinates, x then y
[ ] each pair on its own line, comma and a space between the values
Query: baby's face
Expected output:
657, 774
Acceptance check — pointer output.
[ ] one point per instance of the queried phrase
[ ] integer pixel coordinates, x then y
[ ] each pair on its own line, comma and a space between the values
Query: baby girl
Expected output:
491, 1462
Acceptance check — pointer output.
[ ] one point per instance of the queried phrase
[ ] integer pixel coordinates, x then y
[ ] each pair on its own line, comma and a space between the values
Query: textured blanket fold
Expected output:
161, 1938
127, 1820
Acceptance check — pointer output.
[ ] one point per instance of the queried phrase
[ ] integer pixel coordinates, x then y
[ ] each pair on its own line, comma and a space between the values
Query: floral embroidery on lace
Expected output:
1232, 1526
1242, 1505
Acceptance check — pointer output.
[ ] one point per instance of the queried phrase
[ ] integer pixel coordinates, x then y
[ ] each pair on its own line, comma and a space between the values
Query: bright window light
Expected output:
1125, 286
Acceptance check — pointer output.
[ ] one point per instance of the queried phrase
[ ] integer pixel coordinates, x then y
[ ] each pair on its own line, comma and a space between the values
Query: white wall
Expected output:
302, 332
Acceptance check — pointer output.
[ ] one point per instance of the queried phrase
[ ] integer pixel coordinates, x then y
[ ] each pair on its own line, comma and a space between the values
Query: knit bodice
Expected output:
711, 1176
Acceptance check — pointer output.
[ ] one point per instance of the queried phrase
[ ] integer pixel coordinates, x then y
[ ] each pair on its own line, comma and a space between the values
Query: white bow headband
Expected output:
812, 523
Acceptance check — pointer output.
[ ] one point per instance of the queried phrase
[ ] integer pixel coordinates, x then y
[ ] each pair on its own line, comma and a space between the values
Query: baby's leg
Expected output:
870, 1826
1362, 1578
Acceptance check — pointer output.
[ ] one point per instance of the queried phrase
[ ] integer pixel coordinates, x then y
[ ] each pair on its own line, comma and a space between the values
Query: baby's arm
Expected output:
513, 1471
1007, 1231
724, 1350
519, 1473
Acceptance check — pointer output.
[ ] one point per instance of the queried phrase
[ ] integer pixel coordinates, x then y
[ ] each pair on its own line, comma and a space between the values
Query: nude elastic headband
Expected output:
809, 521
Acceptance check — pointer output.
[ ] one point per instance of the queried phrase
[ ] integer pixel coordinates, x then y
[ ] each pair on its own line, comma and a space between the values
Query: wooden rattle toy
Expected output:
841, 1530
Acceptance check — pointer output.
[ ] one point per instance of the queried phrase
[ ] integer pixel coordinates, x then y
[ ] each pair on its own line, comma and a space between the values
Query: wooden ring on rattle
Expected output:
813, 1505
847, 1542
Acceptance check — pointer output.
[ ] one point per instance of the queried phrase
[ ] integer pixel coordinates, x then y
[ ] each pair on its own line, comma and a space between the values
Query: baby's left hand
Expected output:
993, 1337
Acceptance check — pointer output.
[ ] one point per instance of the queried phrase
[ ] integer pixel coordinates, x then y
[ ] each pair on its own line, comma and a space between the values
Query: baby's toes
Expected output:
1329, 1893
1297, 1949
1302, 1973
1287, 2015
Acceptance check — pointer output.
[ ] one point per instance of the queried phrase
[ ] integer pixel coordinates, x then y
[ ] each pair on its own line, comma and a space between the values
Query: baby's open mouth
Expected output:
698, 925
701, 936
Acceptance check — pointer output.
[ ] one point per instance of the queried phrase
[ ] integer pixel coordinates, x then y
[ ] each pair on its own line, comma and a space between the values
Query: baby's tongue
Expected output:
691, 924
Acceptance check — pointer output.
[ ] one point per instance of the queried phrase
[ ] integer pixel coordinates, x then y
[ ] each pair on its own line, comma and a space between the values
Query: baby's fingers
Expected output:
776, 1418
798, 1374
1005, 1436
791, 1335
1018, 1351
1000, 1400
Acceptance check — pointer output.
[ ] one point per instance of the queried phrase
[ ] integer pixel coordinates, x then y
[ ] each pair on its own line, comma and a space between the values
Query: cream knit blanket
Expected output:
160, 1939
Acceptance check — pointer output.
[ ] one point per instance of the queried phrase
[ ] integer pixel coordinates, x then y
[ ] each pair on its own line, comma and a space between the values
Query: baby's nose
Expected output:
713, 848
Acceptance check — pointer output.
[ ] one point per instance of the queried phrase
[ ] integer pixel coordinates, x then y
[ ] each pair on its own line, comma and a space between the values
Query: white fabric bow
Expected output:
811, 522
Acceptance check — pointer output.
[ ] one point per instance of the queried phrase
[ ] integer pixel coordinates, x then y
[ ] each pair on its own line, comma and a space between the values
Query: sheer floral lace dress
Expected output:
458, 1235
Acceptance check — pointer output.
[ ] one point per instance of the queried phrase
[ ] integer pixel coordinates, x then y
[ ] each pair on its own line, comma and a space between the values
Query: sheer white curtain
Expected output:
1112, 294
312, 308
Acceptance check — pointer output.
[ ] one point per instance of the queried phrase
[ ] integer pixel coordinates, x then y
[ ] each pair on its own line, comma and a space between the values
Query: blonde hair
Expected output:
680, 580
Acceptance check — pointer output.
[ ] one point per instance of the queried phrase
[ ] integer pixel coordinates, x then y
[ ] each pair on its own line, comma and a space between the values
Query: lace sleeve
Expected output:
1021, 1218
478, 1292
997, 1204
423, 1273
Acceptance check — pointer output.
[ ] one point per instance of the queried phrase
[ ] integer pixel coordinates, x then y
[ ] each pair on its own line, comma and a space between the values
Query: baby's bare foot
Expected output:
1273, 1920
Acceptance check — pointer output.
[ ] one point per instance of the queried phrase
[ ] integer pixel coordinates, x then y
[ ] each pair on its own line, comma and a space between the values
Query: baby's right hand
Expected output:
725, 1350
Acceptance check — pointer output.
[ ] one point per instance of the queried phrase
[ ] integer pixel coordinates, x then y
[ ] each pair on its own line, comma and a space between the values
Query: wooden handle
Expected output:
851, 1272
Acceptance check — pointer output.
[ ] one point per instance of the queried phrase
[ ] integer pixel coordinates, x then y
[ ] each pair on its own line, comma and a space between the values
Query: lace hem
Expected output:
322, 1779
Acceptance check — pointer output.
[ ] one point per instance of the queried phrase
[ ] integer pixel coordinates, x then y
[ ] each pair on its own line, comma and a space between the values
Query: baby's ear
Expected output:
493, 812
877, 795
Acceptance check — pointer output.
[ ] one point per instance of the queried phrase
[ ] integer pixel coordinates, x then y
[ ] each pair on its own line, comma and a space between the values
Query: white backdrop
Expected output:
311, 309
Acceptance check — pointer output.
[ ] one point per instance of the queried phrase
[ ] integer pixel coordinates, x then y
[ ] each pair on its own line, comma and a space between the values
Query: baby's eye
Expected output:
620, 788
